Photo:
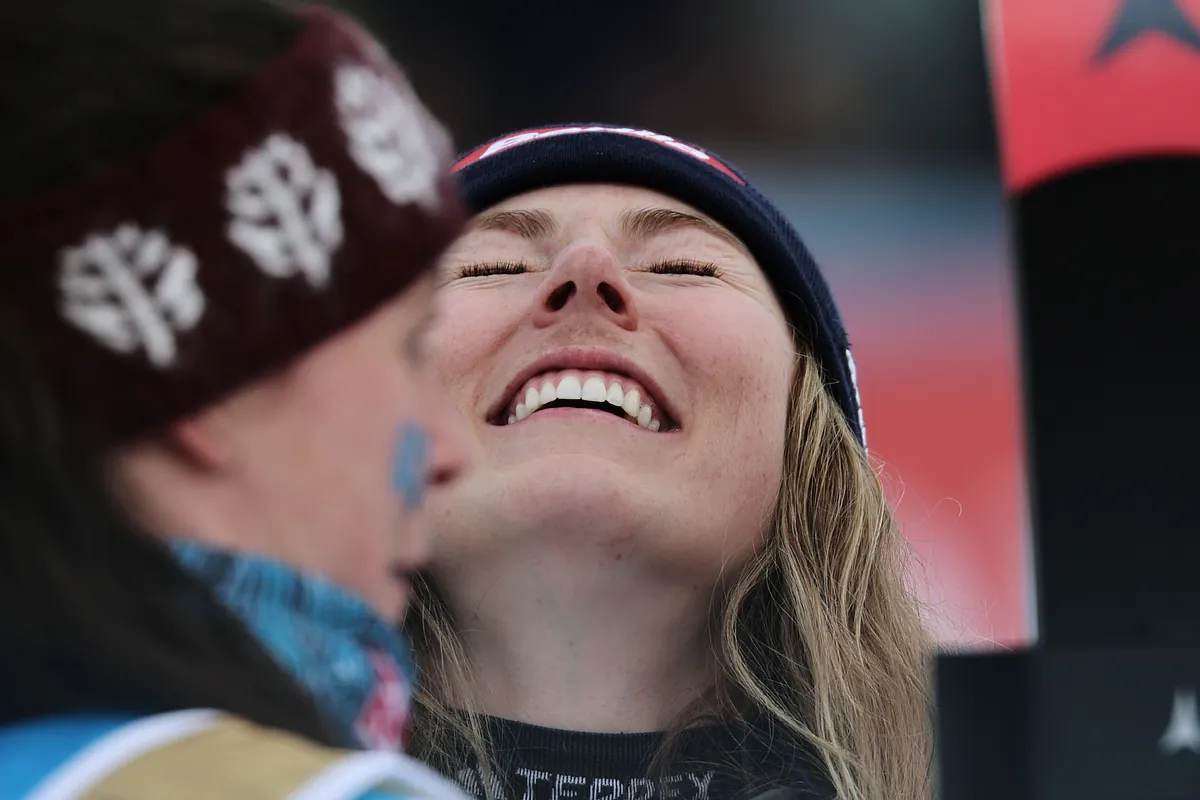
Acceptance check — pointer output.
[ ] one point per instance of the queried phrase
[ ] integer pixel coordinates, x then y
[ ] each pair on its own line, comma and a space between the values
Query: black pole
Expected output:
1099, 115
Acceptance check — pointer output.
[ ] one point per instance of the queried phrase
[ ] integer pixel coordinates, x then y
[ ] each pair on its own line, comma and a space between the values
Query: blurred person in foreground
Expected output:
672, 571
218, 220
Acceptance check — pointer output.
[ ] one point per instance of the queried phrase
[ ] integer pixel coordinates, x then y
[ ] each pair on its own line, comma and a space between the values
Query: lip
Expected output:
583, 358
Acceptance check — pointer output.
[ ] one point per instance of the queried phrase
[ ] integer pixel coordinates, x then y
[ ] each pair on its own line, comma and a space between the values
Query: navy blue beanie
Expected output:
534, 159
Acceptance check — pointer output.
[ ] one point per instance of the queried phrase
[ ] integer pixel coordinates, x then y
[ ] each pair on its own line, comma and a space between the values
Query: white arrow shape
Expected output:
1183, 731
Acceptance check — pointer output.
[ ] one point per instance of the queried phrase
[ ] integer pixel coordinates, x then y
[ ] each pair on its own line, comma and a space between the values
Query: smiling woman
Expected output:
672, 572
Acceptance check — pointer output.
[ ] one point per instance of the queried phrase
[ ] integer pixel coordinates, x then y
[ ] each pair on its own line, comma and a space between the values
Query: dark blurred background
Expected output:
870, 124
823, 77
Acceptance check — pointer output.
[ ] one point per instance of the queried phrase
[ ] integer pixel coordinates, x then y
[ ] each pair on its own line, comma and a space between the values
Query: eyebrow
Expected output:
528, 224
646, 223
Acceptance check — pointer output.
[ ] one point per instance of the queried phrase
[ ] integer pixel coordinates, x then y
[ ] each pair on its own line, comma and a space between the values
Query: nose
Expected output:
586, 278
449, 456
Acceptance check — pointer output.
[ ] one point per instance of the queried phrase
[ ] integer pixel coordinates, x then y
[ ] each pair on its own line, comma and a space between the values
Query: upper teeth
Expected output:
592, 388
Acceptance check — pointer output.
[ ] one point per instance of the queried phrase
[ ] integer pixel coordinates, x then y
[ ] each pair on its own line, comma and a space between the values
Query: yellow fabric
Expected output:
234, 760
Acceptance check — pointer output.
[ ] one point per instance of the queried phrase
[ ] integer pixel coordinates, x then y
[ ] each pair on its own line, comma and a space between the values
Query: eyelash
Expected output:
685, 266
494, 268
704, 269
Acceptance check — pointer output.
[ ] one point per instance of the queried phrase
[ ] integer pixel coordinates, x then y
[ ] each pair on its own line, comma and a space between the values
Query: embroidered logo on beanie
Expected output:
862, 422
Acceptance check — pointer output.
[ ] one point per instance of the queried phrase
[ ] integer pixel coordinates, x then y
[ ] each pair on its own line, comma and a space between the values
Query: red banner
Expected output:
1079, 82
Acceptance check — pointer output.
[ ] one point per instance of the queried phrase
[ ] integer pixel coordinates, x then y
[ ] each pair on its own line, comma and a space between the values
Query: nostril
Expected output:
559, 297
612, 298
444, 475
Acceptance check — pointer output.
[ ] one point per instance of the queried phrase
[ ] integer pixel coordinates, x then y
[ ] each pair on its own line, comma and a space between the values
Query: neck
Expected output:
586, 649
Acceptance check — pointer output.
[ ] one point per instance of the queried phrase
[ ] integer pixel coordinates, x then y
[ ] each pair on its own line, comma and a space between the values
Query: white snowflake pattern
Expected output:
389, 136
131, 289
287, 212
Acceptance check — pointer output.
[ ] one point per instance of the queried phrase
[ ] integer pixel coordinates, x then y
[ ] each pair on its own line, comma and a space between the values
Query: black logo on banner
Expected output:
1146, 16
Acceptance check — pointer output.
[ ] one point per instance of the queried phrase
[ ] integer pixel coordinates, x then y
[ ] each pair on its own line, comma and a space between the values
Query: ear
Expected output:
203, 442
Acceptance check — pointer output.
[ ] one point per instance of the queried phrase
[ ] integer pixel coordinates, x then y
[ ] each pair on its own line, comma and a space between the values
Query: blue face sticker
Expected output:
409, 469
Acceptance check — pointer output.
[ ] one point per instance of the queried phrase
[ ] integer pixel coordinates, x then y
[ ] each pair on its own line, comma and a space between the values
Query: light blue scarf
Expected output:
357, 668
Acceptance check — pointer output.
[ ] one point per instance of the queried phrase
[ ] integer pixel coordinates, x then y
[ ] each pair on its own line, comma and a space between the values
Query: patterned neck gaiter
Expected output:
355, 665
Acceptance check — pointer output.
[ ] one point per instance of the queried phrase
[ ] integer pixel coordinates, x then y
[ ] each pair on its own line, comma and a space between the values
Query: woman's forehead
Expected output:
632, 211
592, 199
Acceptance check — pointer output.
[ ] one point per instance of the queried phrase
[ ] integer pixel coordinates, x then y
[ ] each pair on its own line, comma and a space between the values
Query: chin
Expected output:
553, 443
580, 487
580, 511
553, 499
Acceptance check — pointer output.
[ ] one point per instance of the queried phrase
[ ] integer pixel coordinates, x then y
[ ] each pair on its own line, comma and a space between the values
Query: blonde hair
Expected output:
818, 632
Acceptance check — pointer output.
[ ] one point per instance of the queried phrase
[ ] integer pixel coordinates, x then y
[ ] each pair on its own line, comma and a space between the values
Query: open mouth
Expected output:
605, 392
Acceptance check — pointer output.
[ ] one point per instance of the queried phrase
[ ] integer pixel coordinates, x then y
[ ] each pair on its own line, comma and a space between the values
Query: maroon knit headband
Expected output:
315, 194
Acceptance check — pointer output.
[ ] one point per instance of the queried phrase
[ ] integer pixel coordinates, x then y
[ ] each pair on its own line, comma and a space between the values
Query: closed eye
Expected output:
704, 269
491, 268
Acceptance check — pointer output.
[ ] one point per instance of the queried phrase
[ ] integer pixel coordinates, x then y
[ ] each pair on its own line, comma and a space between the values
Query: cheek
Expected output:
739, 360
361, 406
353, 425
374, 450
739, 354
471, 326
